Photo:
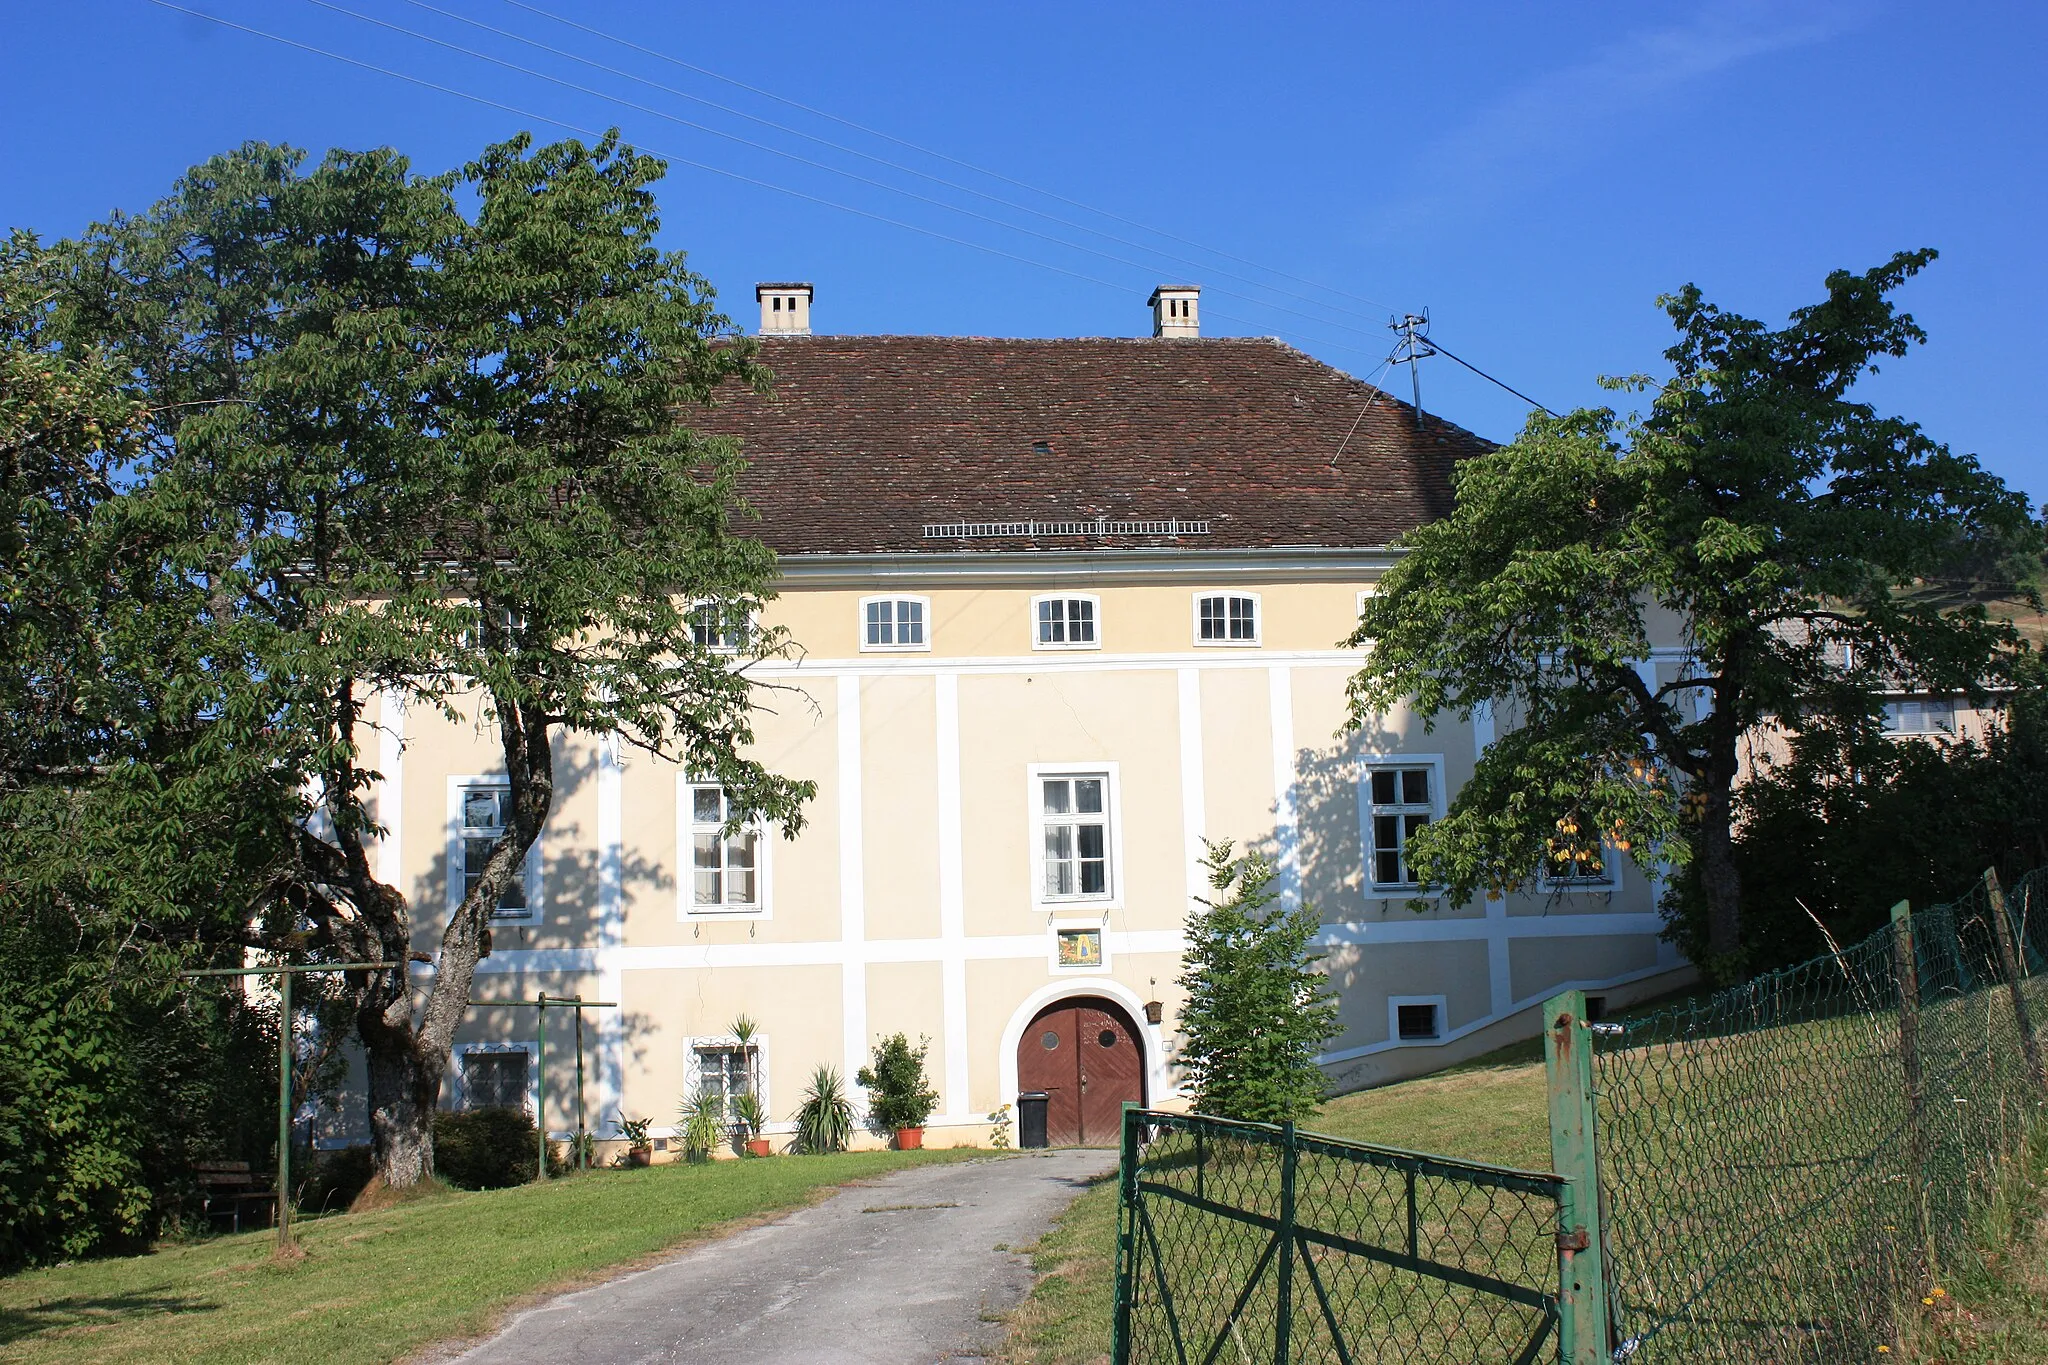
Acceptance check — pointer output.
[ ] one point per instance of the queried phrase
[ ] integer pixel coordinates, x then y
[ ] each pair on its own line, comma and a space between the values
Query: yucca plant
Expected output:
748, 1116
825, 1121
702, 1125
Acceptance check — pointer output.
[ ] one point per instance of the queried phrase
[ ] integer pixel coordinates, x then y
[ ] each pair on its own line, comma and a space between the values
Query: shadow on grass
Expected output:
57, 1315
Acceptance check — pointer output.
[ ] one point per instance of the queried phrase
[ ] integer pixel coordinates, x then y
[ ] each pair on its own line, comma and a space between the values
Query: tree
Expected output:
1258, 1011
440, 457
1758, 507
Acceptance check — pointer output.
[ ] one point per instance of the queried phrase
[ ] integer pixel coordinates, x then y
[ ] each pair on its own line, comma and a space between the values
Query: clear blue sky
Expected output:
1534, 175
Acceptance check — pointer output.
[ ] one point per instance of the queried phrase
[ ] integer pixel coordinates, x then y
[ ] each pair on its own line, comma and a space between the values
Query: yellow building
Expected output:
1066, 608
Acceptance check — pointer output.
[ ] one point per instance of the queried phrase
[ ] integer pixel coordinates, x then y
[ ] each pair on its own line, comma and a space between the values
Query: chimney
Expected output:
1176, 310
785, 309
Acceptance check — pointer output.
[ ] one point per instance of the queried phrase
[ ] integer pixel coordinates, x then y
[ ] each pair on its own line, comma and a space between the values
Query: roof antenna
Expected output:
1413, 346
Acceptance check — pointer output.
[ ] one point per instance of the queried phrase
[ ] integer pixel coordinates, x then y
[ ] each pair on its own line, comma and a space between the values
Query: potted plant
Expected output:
639, 1149
901, 1098
702, 1124
748, 1119
824, 1122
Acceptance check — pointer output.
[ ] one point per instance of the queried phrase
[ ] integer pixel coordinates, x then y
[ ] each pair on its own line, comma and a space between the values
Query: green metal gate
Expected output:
1246, 1242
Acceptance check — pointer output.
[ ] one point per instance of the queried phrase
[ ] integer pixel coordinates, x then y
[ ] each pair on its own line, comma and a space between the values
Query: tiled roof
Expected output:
866, 441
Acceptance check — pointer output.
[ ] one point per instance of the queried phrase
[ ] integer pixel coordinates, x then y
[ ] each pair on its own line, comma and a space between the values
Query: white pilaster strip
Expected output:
1499, 964
1194, 792
952, 897
853, 915
1286, 831
391, 792
611, 924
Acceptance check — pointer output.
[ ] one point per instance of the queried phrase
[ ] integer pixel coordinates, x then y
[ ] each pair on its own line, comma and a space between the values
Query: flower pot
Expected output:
639, 1156
757, 1146
909, 1139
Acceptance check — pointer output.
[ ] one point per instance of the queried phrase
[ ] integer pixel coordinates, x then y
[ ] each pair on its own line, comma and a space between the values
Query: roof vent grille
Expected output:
1099, 527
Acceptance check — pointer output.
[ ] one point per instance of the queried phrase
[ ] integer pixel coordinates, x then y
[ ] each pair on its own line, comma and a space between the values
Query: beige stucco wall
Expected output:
967, 975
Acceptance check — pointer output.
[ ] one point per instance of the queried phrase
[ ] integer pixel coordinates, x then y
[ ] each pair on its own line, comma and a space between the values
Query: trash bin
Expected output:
1031, 1118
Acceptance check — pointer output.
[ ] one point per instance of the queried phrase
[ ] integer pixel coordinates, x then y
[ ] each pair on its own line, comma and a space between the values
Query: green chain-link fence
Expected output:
1246, 1242
1784, 1165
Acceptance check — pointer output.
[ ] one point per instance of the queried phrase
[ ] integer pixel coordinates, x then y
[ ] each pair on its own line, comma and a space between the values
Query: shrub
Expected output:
901, 1096
485, 1149
702, 1125
334, 1180
824, 1123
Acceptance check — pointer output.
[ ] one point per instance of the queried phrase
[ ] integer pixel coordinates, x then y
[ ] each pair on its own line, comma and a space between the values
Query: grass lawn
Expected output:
1480, 1112
1994, 1309
372, 1287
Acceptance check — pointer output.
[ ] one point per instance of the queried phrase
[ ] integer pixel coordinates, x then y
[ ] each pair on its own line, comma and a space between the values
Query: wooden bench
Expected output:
227, 1188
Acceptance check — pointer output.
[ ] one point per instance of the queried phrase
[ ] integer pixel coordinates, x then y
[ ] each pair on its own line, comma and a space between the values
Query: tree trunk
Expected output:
401, 1109
1720, 879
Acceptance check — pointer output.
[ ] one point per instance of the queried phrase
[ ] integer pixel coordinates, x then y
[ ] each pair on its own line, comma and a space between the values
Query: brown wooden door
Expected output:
1084, 1054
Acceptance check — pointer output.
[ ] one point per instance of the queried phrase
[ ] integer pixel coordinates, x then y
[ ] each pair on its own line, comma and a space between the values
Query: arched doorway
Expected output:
1083, 1052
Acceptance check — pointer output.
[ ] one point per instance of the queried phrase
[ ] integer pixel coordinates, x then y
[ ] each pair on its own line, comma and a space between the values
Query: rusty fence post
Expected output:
2012, 963
1581, 1241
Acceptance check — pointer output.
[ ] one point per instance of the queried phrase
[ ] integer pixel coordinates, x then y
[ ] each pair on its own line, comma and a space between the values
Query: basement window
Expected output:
1416, 1022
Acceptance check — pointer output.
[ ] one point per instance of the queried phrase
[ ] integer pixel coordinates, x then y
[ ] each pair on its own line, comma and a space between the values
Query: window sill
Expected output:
1065, 649
895, 649
1228, 644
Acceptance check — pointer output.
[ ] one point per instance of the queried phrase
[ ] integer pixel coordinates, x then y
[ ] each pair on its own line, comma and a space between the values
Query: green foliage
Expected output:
1844, 825
701, 1123
335, 1180
1759, 510
824, 1122
1258, 1011
634, 1131
899, 1094
1000, 1123
488, 1149
748, 1115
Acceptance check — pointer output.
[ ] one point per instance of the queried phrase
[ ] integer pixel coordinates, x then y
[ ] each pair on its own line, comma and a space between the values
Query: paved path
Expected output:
902, 1271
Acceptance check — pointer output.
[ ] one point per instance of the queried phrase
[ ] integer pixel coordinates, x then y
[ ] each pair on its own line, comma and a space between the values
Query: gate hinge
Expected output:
1575, 1240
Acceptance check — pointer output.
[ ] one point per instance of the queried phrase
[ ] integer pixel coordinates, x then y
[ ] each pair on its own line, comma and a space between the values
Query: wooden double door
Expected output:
1084, 1054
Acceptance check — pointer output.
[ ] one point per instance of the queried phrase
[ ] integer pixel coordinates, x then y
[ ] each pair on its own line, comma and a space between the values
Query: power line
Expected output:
583, 131
868, 156
935, 155
1440, 348
787, 155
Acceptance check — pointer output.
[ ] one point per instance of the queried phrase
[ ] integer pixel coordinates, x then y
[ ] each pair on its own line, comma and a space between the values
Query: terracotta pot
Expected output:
757, 1146
909, 1139
639, 1156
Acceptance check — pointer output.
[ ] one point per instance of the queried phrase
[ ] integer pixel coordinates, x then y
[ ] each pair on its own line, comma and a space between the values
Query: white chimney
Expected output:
785, 309
1176, 310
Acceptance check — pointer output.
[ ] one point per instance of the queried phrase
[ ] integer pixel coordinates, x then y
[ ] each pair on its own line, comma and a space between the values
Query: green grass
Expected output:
1483, 1111
1993, 1310
372, 1287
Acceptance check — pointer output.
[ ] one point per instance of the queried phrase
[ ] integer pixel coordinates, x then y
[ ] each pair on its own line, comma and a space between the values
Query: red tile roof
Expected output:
867, 440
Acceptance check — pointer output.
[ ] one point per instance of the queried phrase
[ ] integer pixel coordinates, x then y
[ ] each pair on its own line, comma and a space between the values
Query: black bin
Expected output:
1031, 1118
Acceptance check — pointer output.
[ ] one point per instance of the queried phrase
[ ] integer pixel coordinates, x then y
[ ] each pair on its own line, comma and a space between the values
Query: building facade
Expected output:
1066, 609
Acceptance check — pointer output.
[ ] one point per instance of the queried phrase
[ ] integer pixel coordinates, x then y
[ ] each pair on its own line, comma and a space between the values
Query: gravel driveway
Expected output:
901, 1271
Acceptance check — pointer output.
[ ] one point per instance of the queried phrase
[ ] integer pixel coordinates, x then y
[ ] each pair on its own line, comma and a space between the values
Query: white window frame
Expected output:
1095, 611
722, 645
1608, 881
458, 1089
687, 909
457, 855
731, 1044
1112, 812
1934, 731
1057, 924
1442, 1006
1438, 800
1258, 618
925, 607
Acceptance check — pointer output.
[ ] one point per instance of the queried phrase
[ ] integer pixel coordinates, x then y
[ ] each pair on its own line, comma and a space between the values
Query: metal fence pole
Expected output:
2013, 965
1581, 1266
1290, 1156
1126, 1240
540, 1085
1907, 966
284, 1111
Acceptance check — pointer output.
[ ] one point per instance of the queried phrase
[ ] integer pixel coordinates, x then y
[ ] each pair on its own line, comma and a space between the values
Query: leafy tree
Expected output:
1758, 510
902, 1096
1833, 832
439, 456
117, 846
1258, 1011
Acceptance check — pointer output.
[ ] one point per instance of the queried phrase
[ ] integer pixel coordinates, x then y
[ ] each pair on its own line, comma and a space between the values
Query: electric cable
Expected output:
1439, 346
936, 155
865, 156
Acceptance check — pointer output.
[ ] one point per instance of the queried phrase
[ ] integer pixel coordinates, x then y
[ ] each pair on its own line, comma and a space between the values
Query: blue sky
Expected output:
1532, 175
